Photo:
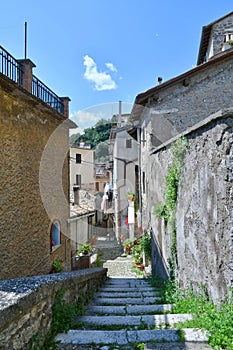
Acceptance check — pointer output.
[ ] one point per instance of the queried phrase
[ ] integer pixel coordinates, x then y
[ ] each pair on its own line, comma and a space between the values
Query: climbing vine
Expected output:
167, 209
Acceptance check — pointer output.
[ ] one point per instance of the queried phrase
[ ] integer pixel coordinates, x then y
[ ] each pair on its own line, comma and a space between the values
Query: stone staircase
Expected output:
125, 314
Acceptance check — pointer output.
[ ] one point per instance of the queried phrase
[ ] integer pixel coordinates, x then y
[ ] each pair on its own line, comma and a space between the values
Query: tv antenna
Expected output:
25, 40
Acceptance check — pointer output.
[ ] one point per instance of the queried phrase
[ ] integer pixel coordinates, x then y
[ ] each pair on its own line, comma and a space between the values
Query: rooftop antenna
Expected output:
25, 40
119, 115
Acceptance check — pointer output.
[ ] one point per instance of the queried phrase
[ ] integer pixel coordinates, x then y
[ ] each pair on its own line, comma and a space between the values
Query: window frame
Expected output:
78, 158
128, 143
57, 239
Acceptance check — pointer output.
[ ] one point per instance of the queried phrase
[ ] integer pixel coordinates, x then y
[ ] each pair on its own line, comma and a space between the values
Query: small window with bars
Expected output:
78, 180
129, 143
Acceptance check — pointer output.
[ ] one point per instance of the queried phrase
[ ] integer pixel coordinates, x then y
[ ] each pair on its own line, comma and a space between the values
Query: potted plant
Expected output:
85, 249
131, 196
127, 245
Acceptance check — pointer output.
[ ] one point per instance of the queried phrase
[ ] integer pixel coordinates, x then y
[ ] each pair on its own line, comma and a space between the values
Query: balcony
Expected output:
15, 70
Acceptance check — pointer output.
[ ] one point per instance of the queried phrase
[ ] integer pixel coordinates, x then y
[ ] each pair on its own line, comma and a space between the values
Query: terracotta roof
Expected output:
205, 37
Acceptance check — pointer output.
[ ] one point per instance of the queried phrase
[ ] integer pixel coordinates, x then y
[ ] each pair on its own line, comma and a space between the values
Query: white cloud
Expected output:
85, 119
111, 67
102, 80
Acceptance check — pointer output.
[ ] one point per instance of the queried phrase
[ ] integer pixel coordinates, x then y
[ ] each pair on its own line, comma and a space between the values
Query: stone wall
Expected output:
26, 124
217, 35
204, 213
187, 101
26, 304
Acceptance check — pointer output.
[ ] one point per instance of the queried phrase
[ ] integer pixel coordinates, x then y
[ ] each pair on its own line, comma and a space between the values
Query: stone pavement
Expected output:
121, 267
127, 313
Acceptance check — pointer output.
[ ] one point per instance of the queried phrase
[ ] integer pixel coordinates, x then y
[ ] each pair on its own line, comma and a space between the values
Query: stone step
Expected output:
124, 337
127, 294
148, 320
125, 301
127, 289
130, 281
130, 309
173, 346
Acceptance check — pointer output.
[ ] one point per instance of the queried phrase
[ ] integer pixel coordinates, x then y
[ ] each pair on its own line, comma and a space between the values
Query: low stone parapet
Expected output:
26, 303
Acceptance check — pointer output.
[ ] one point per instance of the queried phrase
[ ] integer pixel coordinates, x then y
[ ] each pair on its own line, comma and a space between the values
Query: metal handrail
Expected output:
40, 90
10, 67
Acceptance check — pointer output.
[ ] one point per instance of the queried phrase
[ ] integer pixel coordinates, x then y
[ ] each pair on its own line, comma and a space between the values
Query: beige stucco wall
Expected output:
25, 129
85, 169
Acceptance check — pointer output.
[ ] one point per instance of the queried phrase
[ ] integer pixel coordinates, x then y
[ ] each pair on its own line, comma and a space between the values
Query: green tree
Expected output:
102, 152
96, 134
74, 138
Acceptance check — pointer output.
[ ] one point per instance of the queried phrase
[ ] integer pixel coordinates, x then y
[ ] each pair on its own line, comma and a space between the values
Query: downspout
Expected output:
139, 175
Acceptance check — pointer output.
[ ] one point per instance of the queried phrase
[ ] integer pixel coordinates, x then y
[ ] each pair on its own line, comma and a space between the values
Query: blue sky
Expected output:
98, 52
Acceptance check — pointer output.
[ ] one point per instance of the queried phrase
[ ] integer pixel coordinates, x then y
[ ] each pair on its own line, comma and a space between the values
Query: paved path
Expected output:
121, 267
127, 312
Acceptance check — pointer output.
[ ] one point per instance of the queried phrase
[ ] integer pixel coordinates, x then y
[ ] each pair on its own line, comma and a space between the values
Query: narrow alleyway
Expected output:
127, 314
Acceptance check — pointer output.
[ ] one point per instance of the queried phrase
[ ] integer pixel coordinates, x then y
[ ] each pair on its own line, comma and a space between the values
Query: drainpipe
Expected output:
117, 199
139, 175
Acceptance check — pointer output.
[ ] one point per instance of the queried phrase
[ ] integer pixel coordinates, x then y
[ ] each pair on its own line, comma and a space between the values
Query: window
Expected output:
143, 182
228, 37
78, 158
55, 235
128, 143
97, 186
143, 135
78, 180
89, 222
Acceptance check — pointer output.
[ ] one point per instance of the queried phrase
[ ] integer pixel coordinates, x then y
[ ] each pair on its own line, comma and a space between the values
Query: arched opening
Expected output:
55, 235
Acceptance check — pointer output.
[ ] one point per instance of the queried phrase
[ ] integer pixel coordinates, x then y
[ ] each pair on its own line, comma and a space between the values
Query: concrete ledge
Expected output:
222, 113
26, 303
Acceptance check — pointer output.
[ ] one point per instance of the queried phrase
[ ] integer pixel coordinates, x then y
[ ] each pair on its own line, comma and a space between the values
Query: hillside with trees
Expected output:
96, 136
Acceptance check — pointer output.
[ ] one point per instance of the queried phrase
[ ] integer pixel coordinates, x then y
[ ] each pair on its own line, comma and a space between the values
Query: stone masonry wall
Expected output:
204, 213
186, 102
26, 125
218, 31
26, 304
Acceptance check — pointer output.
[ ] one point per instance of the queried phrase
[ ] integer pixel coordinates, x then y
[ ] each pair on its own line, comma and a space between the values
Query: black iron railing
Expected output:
10, 67
41, 91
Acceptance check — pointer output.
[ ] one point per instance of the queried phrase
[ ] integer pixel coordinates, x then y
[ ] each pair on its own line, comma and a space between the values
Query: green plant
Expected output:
146, 245
128, 242
57, 266
63, 315
137, 252
230, 42
139, 346
85, 248
160, 210
217, 319
99, 261
167, 209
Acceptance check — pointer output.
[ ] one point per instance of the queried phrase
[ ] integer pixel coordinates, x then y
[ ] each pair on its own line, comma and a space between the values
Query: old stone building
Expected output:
34, 172
196, 104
